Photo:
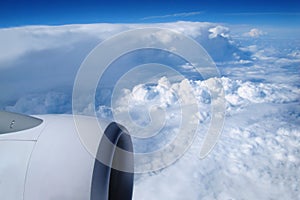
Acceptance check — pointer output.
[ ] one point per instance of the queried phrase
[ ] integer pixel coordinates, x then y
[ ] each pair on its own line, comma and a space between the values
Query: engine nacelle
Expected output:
43, 158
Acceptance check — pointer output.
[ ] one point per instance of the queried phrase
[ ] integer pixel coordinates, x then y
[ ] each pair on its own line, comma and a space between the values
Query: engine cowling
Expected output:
42, 157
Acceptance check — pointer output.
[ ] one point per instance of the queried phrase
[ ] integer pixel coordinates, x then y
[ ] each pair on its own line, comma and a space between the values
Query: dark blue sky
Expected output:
55, 12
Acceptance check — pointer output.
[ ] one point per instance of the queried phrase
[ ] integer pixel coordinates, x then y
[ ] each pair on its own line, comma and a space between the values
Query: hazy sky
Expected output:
55, 12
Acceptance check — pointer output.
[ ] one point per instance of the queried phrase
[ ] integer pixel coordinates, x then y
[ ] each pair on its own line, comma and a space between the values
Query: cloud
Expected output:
42, 58
183, 14
140, 100
188, 67
258, 143
257, 155
295, 54
22, 40
251, 149
219, 31
241, 93
255, 33
51, 102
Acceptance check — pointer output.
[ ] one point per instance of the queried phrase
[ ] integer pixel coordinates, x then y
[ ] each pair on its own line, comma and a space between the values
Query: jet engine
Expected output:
43, 157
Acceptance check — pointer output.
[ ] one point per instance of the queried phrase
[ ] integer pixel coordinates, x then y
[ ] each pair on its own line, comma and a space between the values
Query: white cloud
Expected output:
184, 14
255, 33
219, 31
253, 146
188, 67
257, 155
16, 42
172, 96
57, 51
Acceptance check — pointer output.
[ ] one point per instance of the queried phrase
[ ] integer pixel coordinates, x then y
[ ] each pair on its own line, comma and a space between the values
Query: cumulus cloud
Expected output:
219, 31
257, 154
258, 143
55, 53
143, 100
255, 33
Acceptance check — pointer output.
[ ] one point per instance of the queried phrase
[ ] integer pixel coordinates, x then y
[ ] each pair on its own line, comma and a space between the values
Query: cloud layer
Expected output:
43, 58
257, 154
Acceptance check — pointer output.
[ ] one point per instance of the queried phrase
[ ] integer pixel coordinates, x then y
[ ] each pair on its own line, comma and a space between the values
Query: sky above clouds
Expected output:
33, 12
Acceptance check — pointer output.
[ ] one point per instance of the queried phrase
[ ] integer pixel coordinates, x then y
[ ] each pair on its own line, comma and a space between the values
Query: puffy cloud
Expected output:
40, 58
240, 93
256, 144
219, 31
260, 141
170, 97
255, 33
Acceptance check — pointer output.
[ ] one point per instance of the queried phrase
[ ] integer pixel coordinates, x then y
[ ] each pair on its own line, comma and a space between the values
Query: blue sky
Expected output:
55, 12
